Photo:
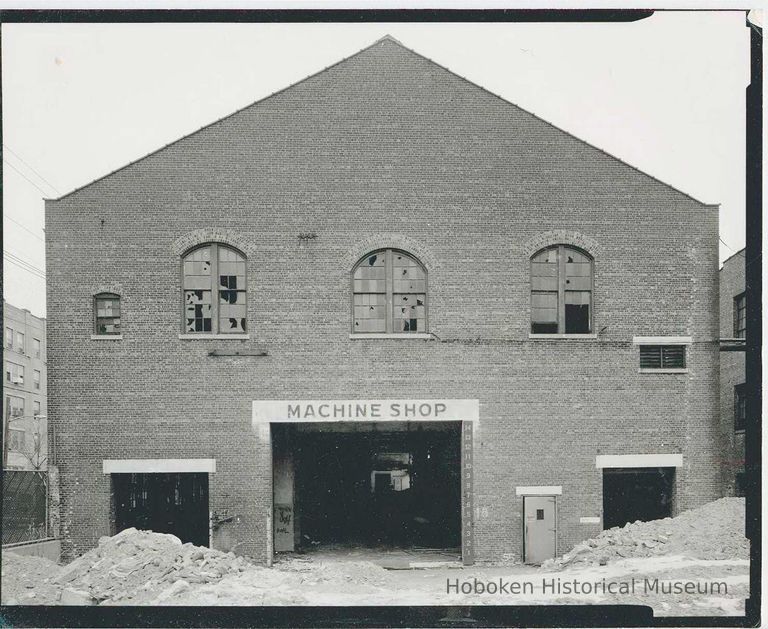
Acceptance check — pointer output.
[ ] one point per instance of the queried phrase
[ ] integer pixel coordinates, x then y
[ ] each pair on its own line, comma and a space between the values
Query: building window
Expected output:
561, 291
107, 314
16, 440
36, 379
214, 291
35, 408
36, 348
662, 357
389, 294
20, 342
14, 373
740, 407
740, 316
8, 338
14, 406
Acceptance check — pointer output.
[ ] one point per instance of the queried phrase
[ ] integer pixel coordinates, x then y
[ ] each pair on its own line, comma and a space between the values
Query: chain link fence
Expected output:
25, 496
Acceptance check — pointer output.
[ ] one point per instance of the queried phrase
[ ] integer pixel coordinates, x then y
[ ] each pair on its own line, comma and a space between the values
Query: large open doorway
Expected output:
369, 484
641, 493
175, 503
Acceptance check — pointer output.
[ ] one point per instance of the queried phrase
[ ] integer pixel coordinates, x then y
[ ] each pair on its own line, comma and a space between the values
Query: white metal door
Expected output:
540, 532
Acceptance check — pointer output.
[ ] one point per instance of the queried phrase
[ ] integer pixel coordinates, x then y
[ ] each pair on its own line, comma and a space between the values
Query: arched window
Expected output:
561, 291
106, 314
214, 290
389, 293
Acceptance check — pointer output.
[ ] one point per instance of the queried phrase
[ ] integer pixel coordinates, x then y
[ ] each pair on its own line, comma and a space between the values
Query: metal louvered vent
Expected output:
662, 357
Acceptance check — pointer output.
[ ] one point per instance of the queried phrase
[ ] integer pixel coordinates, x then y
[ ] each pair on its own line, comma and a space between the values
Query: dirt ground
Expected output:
701, 569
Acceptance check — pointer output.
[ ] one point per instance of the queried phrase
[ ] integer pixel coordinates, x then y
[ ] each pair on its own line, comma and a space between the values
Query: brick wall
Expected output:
732, 372
21, 321
384, 149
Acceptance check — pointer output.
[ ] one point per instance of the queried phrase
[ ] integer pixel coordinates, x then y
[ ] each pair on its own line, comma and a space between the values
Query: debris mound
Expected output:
713, 531
26, 580
355, 572
141, 567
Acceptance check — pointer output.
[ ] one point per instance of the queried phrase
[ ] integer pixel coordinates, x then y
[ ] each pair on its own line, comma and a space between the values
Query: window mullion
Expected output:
214, 289
560, 290
389, 285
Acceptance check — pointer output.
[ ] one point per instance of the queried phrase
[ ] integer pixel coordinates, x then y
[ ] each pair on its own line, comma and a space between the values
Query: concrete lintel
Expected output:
157, 466
662, 340
539, 490
638, 460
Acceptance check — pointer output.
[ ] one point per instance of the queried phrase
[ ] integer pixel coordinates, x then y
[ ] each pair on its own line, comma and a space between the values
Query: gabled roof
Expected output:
387, 40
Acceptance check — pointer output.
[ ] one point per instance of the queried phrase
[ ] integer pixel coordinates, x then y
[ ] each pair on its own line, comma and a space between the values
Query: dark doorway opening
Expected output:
390, 484
164, 503
631, 494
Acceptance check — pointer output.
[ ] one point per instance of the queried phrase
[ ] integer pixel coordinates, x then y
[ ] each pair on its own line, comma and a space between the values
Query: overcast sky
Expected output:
665, 94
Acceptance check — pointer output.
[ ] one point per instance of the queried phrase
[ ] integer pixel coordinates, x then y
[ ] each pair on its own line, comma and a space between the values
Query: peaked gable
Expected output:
401, 116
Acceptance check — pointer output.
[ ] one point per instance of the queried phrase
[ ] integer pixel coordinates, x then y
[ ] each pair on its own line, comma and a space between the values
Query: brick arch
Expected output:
561, 237
211, 234
390, 241
115, 289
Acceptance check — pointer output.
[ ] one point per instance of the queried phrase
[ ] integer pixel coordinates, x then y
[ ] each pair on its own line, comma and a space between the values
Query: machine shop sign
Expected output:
265, 411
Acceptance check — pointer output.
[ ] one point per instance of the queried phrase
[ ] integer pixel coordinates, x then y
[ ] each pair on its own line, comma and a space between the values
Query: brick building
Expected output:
24, 384
382, 306
733, 375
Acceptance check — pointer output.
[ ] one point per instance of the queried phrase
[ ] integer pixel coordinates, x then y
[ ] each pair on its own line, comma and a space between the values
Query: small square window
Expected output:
539, 514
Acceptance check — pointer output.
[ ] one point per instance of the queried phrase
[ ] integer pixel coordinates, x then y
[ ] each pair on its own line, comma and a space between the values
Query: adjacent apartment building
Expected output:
24, 412
386, 307
733, 388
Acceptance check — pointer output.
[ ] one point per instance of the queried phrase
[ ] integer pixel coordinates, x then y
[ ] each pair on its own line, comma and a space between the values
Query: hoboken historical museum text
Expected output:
560, 586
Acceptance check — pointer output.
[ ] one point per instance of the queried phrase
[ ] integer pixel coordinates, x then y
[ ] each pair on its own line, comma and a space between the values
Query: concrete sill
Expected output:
562, 336
646, 370
106, 337
214, 337
739, 432
403, 335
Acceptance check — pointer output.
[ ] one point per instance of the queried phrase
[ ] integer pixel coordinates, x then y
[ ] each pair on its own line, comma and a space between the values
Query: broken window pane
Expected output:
197, 310
210, 268
407, 314
561, 272
370, 313
577, 305
389, 280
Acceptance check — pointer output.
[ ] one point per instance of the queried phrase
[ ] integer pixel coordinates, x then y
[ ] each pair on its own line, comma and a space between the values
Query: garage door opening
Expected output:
631, 494
374, 485
175, 503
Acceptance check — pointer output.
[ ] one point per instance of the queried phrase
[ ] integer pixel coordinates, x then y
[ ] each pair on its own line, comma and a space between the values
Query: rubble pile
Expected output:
143, 566
357, 572
26, 580
713, 531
